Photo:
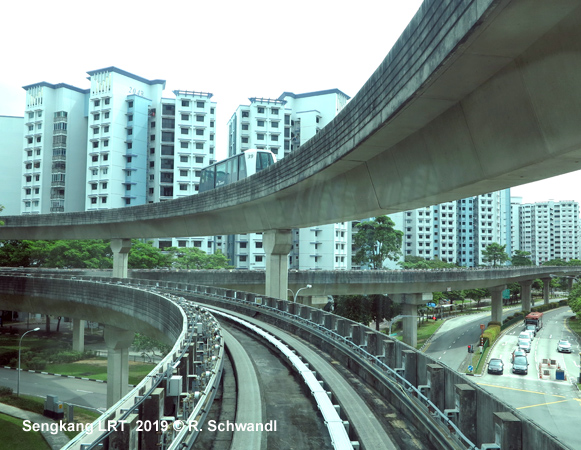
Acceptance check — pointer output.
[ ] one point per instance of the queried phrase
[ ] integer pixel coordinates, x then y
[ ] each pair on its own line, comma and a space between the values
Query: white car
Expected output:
564, 346
524, 344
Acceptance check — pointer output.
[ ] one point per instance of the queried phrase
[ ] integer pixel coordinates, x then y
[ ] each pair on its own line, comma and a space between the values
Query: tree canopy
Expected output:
521, 258
495, 253
418, 262
375, 241
194, 258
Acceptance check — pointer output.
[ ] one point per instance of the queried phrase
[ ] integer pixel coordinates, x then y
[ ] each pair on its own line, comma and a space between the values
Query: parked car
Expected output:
520, 365
564, 346
525, 344
495, 365
517, 352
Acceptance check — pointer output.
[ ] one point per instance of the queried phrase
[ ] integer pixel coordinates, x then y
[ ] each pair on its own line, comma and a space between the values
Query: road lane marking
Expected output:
88, 392
542, 404
520, 390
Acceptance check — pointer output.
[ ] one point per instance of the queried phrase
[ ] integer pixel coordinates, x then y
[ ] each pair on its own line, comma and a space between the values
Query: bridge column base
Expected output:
496, 302
525, 294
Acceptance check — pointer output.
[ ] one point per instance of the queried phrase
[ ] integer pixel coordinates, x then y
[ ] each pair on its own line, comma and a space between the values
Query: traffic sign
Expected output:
470, 368
431, 304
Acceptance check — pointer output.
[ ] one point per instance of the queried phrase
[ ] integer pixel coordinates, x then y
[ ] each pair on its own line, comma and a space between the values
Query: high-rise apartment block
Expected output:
117, 144
282, 125
458, 231
548, 230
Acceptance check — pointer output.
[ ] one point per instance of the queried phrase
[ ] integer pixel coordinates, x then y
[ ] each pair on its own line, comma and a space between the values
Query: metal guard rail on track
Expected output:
120, 411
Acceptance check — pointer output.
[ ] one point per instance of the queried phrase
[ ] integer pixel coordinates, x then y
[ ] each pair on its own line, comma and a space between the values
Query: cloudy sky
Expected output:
233, 49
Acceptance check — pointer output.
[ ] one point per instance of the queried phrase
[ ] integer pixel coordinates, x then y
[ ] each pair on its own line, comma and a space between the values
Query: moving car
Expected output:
517, 352
564, 346
520, 365
526, 335
524, 344
533, 328
495, 365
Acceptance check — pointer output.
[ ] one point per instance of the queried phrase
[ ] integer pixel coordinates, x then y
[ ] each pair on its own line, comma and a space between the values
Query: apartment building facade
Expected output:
282, 125
548, 230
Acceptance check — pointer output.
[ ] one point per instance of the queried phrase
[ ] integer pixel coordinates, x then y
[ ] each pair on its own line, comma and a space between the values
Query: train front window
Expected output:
263, 160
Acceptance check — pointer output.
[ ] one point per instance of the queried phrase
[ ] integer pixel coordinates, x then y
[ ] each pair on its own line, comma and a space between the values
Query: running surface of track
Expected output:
377, 424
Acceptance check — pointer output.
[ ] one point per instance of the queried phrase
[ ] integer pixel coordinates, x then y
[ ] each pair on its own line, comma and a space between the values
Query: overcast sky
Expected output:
233, 49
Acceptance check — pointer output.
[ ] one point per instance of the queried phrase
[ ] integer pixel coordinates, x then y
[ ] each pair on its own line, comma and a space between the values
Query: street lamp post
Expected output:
19, 345
308, 286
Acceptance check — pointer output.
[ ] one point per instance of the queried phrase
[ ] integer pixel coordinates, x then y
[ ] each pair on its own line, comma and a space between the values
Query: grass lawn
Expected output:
13, 436
96, 368
36, 404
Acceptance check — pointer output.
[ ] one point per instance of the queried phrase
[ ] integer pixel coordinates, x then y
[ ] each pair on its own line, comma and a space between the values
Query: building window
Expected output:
260, 123
260, 110
183, 173
185, 117
97, 102
183, 187
185, 131
199, 132
103, 199
183, 159
260, 137
199, 159
199, 117
200, 104
185, 103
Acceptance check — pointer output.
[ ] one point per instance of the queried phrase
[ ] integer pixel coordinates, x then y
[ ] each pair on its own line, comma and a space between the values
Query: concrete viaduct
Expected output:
475, 96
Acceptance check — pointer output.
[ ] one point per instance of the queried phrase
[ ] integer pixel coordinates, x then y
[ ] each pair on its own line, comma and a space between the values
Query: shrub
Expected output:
36, 363
6, 391
491, 333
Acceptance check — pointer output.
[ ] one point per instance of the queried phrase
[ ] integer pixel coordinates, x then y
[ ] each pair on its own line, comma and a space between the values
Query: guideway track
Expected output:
370, 431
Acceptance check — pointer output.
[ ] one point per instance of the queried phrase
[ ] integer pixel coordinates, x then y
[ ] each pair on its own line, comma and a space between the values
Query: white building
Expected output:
54, 149
117, 144
458, 231
282, 125
549, 230
11, 135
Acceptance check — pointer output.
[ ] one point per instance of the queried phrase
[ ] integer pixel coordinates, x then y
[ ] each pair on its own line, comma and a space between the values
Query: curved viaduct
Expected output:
475, 96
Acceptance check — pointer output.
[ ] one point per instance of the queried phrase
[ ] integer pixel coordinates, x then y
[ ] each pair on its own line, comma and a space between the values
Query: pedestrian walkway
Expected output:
55, 439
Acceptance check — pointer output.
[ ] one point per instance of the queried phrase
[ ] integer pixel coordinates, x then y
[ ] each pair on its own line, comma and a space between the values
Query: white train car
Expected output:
235, 168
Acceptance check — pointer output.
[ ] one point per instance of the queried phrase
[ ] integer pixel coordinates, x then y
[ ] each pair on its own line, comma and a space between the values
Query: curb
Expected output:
60, 375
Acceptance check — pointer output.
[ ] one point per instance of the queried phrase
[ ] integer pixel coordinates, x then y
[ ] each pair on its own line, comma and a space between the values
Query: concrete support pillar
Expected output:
117, 342
356, 334
372, 339
496, 292
150, 411
78, 335
125, 437
120, 249
410, 324
329, 321
410, 365
277, 245
467, 408
507, 431
436, 382
525, 294
389, 350
546, 289
569, 284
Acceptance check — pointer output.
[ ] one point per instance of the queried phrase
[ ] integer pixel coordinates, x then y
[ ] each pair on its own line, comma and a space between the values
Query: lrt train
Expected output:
235, 168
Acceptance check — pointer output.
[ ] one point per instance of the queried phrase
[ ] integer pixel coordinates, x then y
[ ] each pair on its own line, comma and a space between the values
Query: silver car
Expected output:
524, 344
564, 346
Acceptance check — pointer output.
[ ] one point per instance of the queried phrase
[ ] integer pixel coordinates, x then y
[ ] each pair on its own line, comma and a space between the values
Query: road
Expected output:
88, 394
553, 404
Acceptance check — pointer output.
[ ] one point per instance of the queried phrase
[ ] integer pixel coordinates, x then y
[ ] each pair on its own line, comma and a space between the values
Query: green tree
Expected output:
353, 307
476, 294
143, 343
1, 209
14, 253
521, 258
194, 258
555, 262
382, 308
495, 253
574, 299
143, 255
377, 240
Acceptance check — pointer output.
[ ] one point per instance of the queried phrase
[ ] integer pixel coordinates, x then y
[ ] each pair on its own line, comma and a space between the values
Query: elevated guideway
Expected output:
474, 97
